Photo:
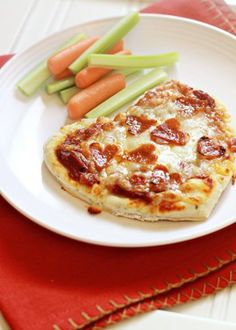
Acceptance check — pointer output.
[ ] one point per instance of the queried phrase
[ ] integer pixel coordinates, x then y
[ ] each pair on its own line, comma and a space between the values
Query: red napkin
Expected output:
214, 12
50, 282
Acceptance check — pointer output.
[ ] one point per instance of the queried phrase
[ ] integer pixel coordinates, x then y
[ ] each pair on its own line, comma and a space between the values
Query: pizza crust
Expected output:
122, 207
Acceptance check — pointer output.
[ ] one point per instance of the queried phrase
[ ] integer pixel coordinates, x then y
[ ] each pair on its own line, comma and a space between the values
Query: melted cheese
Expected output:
169, 156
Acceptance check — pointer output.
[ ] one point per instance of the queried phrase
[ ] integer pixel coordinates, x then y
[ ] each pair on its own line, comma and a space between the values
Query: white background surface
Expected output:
24, 22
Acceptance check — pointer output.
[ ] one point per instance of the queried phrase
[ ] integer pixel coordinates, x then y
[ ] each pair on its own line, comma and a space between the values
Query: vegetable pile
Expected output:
89, 74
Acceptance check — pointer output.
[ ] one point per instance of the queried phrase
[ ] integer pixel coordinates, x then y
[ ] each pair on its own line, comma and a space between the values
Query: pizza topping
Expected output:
86, 133
137, 180
175, 179
74, 161
143, 154
159, 179
120, 118
89, 179
169, 133
146, 186
162, 180
138, 124
209, 149
77, 165
101, 157
117, 189
94, 210
108, 126
232, 144
208, 100
195, 102
83, 134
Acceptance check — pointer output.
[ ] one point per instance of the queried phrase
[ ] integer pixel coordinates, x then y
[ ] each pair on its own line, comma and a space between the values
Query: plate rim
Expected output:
10, 199
107, 19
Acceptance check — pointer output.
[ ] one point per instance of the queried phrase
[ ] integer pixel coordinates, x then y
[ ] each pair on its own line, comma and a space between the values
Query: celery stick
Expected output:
127, 94
58, 85
126, 72
33, 80
66, 94
132, 61
107, 41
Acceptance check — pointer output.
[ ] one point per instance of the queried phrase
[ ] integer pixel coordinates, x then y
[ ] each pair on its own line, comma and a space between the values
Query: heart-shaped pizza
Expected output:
169, 156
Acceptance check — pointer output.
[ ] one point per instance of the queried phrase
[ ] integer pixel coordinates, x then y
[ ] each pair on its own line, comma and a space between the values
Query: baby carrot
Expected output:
116, 48
89, 75
64, 74
59, 62
67, 73
95, 94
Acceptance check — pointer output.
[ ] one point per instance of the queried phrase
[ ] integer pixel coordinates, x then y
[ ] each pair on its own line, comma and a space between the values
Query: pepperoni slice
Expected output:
137, 179
232, 144
138, 124
175, 178
169, 133
85, 133
89, 179
108, 126
173, 124
209, 149
77, 159
143, 154
116, 189
159, 179
102, 157
74, 161
195, 102
110, 151
208, 100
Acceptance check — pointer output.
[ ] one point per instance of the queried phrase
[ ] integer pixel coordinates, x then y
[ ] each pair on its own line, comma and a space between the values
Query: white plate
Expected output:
207, 61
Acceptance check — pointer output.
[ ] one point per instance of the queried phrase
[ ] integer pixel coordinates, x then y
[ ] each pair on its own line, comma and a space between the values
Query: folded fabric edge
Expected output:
209, 281
206, 286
